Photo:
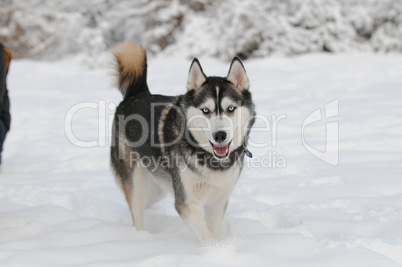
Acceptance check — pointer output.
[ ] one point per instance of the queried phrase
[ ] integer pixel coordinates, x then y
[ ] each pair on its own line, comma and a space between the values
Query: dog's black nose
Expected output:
220, 136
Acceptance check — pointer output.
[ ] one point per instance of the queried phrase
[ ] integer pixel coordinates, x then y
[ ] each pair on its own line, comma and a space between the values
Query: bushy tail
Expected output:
131, 65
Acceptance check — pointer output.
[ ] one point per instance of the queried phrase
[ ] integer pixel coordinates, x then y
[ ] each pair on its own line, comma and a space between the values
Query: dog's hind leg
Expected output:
138, 196
124, 178
127, 187
141, 191
133, 187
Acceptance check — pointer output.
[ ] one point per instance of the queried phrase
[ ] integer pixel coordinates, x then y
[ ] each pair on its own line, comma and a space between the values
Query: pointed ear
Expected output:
196, 76
237, 75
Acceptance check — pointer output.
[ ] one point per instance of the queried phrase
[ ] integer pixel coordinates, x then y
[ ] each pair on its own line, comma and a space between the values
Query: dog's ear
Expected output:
237, 75
196, 76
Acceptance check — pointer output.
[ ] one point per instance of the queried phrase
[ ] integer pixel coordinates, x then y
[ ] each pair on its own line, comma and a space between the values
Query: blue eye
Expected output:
231, 108
205, 110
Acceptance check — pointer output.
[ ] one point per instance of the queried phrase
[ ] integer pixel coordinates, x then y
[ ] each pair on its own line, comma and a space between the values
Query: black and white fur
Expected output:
190, 145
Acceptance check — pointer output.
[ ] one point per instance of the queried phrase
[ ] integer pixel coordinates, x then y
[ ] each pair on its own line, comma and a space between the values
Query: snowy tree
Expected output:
51, 29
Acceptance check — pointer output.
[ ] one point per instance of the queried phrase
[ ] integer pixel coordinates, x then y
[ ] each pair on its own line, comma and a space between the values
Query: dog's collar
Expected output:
246, 151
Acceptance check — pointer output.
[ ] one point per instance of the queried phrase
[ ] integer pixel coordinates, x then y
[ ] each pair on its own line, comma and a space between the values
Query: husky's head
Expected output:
219, 111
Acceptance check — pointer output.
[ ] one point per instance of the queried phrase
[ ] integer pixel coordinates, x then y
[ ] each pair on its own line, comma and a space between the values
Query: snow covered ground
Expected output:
60, 206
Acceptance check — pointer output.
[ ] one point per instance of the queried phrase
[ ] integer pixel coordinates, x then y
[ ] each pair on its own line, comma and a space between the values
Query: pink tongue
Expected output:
221, 150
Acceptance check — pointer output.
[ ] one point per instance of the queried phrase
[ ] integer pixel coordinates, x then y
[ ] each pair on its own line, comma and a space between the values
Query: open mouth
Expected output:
221, 150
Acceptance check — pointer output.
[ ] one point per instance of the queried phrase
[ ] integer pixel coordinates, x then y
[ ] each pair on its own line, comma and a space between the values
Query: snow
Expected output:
60, 205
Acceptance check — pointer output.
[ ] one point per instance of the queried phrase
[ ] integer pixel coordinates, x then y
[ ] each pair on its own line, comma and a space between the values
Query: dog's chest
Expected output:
209, 185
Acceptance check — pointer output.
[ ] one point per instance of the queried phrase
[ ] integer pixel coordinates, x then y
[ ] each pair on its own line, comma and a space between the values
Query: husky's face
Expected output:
219, 111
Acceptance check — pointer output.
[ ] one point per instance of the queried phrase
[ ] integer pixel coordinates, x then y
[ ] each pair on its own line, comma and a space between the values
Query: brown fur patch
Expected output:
7, 54
130, 60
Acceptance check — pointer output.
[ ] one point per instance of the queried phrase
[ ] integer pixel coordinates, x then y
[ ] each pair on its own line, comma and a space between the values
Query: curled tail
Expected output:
131, 65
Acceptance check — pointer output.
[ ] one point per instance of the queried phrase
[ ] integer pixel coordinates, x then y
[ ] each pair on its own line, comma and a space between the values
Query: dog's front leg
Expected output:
214, 214
191, 215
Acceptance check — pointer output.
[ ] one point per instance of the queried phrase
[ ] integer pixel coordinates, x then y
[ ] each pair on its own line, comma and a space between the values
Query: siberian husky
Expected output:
192, 145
